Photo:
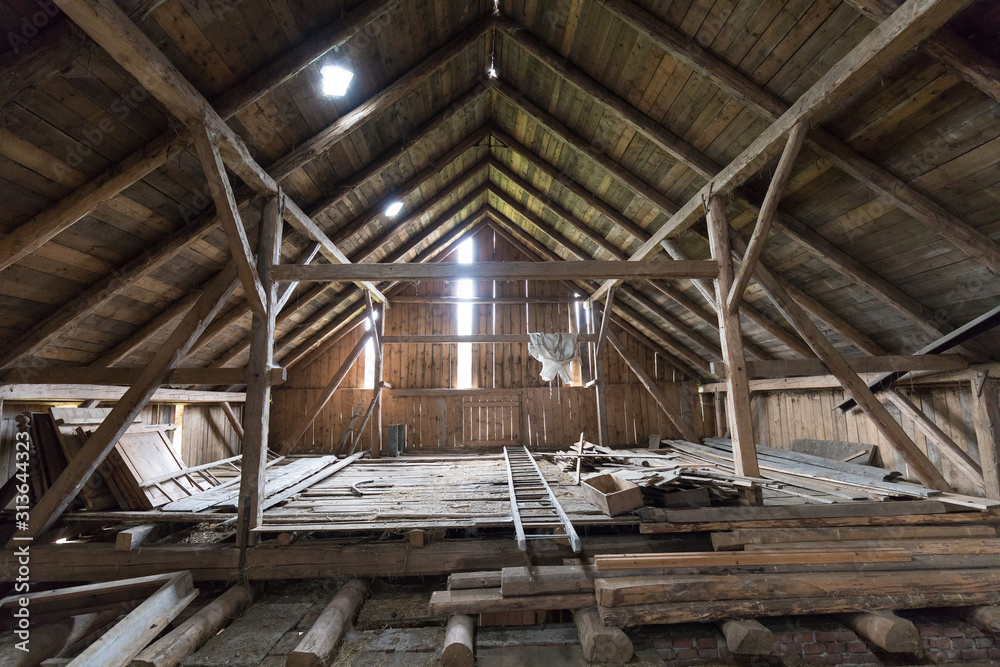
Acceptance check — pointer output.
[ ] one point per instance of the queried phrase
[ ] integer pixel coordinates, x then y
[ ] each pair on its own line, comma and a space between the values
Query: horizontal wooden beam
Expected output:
127, 376
434, 339
781, 368
85, 392
499, 300
584, 270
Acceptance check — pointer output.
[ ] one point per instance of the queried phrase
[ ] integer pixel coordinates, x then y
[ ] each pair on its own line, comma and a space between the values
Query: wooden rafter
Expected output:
908, 25
917, 17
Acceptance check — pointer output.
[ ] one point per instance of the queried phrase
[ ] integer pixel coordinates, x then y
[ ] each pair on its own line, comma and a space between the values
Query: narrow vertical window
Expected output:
465, 289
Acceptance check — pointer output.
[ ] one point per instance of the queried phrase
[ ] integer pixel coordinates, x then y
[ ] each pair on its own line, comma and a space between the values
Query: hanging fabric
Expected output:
556, 352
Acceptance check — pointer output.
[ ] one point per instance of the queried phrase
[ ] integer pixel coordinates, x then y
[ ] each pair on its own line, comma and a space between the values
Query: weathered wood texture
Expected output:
787, 416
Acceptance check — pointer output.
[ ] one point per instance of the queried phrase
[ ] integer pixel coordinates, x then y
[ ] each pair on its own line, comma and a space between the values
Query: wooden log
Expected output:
601, 645
132, 538
916, 546
624, 591
738, 413
317, 647
123, 642
747, 637
755, 246
186, 638
483, 600
738, 538
707, 611
986, 619
459, 644
884, 629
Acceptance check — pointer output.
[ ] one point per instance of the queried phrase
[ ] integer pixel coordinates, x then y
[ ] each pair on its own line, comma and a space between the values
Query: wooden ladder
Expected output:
533, 506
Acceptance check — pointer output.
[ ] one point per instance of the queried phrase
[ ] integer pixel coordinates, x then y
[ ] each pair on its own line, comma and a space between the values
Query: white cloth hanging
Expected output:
556, 352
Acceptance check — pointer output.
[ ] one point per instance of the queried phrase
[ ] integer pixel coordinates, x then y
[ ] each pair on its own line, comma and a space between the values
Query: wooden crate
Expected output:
613, 495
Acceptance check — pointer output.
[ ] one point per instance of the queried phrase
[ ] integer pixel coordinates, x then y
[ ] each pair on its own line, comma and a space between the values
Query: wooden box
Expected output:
613, 495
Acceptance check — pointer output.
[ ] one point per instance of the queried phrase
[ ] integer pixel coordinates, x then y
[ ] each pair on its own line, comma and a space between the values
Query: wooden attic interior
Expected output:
281, 341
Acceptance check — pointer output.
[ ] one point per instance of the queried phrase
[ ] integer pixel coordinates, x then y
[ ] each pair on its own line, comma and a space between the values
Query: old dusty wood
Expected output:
885, 630
317, 646
234, 421
747, 637
601, 645
987, 423
459, 642
739, 418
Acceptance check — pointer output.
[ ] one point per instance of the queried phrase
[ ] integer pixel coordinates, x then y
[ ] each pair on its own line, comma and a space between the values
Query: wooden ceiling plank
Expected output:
33, 234
946, 47
908, 25
841, 369
963, 235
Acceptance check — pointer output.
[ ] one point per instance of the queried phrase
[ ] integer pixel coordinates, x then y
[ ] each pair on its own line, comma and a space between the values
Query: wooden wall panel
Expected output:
516, 400
207, 435
781, 417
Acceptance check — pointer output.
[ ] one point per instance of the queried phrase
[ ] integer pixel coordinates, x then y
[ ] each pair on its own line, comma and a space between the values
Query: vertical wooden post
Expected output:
986, 398
379, 329
257, 410
721, 425
737, 384
602, 404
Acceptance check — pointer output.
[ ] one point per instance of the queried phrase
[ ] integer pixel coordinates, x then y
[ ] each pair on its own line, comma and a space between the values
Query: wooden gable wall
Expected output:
508, 402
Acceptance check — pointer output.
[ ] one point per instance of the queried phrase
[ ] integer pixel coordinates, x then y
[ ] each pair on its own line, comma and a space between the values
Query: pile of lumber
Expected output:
671, 473
809, 570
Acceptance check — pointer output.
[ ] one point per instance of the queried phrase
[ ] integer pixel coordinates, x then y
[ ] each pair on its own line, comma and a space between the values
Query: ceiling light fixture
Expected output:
393, 209
336, 80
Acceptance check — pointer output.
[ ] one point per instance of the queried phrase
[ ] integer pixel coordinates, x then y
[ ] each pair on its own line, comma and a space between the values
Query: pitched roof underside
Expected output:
589, 138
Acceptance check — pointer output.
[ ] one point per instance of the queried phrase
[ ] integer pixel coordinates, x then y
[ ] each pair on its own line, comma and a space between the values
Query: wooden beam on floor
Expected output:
318, 645
885, 630
907, 26
97, 447
853, 385
739, 416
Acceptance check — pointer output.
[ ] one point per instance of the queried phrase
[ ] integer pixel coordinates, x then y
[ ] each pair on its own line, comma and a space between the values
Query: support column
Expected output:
379, 328
986, 398
258, 410
737, 384
602, 403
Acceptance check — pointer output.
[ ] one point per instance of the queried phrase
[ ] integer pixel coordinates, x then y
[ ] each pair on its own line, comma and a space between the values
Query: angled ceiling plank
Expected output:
130, 47
920, 19
907, 26
112, 182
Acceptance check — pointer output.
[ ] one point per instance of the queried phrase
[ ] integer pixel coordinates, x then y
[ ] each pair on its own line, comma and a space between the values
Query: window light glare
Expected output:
393, 209
336, 80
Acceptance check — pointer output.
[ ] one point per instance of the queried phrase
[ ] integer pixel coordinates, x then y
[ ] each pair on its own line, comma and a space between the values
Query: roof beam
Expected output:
900, 31
907, 26
946, 47
33, 234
